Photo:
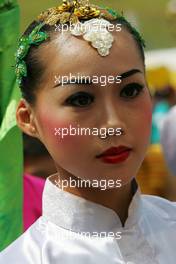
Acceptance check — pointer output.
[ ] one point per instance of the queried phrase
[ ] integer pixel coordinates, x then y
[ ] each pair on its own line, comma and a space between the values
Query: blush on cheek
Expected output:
59, 132
147, 118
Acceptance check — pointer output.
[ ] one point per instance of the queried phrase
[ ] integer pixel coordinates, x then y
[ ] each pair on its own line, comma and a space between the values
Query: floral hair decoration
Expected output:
73, 12
34, 38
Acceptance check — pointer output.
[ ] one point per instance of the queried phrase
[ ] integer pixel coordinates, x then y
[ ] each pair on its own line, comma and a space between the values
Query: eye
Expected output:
80, 99
131, 90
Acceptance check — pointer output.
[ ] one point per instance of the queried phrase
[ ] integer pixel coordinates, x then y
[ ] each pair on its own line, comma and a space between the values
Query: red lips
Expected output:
115, 154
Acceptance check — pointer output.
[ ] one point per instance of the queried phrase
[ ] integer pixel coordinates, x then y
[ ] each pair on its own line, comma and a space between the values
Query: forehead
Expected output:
69, 54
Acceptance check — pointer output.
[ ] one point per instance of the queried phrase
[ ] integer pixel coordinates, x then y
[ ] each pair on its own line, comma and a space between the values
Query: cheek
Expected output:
147, 113
61, 134
144, 120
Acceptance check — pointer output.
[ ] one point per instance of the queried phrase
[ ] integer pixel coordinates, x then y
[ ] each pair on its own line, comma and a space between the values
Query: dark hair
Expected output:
33, 147
35, 68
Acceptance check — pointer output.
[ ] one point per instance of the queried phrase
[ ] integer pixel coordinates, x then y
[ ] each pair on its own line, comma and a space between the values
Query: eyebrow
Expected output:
87, 80
82, 80
129, 73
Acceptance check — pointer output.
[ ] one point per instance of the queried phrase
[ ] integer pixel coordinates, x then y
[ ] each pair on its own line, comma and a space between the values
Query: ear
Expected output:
25, 118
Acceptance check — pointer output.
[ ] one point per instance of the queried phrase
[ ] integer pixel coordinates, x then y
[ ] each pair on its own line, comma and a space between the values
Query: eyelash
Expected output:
78, 95
82, 95
135, 86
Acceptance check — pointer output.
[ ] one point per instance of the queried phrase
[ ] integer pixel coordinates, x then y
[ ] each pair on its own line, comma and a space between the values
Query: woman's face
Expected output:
126, 105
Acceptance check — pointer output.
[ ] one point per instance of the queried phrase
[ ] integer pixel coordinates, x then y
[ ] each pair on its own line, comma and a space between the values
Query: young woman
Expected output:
93, 210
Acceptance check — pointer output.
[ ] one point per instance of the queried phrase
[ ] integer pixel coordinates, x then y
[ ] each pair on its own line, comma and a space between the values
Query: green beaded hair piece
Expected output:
34, 38
72, 12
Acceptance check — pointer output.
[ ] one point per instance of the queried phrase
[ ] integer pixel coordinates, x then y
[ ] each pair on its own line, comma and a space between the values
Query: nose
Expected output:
113, 116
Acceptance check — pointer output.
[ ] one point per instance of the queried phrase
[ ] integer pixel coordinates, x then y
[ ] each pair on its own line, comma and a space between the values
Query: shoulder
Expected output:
26, 247
159, 207
158, 223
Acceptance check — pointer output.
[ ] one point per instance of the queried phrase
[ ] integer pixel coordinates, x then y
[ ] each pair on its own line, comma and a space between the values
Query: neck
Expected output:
116, 199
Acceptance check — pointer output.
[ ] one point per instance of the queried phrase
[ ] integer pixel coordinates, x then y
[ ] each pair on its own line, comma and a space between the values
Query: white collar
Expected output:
77, 214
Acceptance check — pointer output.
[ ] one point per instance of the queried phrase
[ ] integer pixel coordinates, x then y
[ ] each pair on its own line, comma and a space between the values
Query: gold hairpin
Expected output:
69, 11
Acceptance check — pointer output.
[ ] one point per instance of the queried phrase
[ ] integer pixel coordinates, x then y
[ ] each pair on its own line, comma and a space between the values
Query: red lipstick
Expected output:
115, 155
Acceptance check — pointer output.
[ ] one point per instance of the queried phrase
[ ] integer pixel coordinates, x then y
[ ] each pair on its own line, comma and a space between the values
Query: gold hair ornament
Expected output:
93, 30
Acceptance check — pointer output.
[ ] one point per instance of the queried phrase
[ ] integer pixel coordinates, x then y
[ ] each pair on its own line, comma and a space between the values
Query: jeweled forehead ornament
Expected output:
96, 32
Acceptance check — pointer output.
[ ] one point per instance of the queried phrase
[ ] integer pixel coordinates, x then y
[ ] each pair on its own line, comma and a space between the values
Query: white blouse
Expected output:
73, 230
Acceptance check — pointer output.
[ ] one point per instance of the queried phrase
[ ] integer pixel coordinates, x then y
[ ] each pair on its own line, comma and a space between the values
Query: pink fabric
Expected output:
32, 201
